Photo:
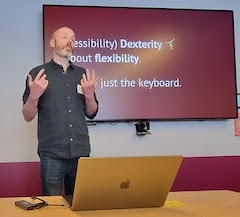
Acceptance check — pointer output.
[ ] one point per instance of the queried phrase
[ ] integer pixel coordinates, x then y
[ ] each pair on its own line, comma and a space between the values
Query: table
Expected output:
222, 203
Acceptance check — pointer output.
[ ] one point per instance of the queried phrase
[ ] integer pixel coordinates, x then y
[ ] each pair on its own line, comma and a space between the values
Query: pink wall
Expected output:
196, 173
209, 173
19, 179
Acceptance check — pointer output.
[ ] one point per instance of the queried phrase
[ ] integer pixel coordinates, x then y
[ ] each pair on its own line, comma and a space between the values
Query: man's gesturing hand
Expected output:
38, 85
88, 83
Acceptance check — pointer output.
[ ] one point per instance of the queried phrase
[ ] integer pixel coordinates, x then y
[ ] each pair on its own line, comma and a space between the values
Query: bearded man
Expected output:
53, 92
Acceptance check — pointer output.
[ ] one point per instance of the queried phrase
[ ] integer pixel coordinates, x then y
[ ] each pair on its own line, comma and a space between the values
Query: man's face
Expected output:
64, 42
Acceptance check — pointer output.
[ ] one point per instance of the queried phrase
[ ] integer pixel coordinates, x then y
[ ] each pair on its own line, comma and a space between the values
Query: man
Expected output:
62, 94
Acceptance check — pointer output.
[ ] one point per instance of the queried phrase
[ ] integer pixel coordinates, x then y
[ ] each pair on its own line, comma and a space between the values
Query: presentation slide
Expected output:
152, 63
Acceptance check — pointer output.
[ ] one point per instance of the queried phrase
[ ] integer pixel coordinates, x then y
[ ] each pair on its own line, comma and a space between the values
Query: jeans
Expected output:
56, 173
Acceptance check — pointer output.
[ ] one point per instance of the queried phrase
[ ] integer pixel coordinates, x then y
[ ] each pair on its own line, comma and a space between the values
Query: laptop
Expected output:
123, 182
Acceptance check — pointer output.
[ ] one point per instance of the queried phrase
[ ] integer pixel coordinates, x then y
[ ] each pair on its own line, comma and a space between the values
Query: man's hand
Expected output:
38, 85
37, 88
88, 83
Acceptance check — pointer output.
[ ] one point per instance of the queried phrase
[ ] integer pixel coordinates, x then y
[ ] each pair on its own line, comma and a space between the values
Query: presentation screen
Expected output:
153, 63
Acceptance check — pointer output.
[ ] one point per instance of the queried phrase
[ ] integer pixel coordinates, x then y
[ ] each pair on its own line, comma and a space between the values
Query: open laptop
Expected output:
123, 182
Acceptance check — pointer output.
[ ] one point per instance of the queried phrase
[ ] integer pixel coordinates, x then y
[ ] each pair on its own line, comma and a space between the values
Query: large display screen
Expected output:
153, 63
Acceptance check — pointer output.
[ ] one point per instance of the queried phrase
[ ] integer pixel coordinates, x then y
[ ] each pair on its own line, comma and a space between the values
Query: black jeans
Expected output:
56, 173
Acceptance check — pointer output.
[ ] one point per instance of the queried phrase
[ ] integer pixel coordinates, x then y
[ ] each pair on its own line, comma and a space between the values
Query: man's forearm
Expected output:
91, 105
29, 109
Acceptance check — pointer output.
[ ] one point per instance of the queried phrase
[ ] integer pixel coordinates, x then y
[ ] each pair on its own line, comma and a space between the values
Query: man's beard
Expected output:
64, 51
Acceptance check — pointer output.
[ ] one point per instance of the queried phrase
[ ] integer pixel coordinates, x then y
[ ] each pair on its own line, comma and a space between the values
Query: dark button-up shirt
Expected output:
62, 126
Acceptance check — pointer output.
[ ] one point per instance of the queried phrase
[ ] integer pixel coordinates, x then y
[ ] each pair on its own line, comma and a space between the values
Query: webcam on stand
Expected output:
142, 128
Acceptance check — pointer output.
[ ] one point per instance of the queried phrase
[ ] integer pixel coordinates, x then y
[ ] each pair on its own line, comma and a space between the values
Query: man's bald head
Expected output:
63, 30
62, 42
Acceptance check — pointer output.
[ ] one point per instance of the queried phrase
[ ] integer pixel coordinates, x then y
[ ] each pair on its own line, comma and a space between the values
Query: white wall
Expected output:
21, 50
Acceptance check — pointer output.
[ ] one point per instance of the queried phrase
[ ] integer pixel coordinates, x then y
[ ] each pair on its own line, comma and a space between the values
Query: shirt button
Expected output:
70, 125
71, 139
69, 110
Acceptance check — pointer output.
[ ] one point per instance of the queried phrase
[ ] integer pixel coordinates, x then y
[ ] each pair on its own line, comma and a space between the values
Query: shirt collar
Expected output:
55, 65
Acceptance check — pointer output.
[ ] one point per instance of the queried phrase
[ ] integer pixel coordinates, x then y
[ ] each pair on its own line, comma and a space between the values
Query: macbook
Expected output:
123, 182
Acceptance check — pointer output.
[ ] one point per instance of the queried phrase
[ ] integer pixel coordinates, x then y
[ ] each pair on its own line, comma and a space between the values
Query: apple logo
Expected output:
125, 184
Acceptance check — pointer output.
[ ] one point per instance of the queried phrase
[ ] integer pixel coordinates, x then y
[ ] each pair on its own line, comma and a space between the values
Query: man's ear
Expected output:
52, 43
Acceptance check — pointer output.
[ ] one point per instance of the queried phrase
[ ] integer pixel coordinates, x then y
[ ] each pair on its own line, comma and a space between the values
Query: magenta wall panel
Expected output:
196, 173
209, 173
20, 179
